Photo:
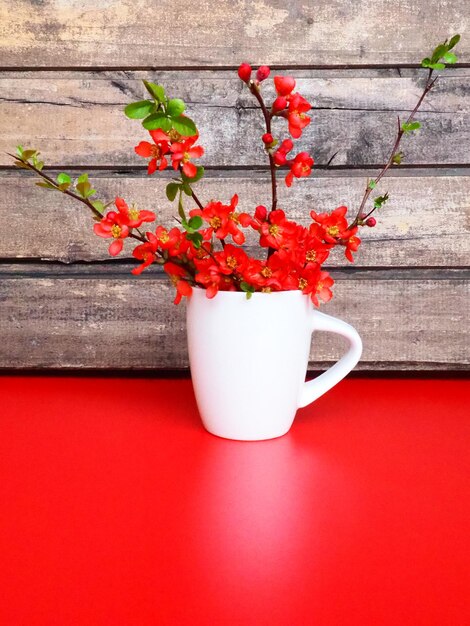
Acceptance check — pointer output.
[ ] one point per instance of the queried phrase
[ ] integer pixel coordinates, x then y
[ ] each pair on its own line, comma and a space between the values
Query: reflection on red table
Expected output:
118, 509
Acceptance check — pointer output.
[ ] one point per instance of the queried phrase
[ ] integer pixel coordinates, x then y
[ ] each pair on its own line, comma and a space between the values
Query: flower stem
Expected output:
400, 132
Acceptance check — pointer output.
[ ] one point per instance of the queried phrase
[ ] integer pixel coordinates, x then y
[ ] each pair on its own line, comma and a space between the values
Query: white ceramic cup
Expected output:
249, 358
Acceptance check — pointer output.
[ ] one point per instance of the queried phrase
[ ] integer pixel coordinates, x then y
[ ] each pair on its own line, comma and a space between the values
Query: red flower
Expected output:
351, 244
178, 276
275, 231
210, 275
244, 72
223, 220
334, 225
146, 252
169, 240
284, 85
310, 249
316, 283
299, 167
280, 156
231, 260
296, 116
155, 150
182, 154
132, 217
115, 226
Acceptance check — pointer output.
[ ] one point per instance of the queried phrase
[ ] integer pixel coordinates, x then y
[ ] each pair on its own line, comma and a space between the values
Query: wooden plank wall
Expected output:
68, 69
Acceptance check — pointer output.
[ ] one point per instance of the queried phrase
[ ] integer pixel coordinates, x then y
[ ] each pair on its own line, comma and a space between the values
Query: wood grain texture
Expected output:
80, 120
113, 321
426, 222
173, 33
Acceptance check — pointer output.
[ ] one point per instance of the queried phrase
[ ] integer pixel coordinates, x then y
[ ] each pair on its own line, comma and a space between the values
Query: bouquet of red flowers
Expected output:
205, 248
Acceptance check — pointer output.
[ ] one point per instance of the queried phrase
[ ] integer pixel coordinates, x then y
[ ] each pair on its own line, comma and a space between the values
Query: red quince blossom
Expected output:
145, 252
133, 217
284, 85
183, 153
280, 156
335, 230
300, 166
316, 283
155, 150
168, 240
113, 225
223, 220
296, 115
179, 277
276, 230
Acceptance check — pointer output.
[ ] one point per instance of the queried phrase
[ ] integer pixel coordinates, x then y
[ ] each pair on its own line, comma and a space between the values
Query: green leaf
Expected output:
184, 126
83, 188
437, 66
194, 179
21, 165
450, 57
64, 179
397, 158
453, 42
196, 238
39, 165
27, 154
45, 185
99, 206
157, 120
409, 127
82, 178
426, 62
187, 189
195, 222
175, 107
181, 212
380, 201
19, 151
247, 288
439, 52
171, 191
139, 110
156, 91
372, 184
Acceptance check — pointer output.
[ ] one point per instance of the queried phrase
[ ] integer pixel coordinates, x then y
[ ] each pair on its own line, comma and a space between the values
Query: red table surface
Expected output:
117, 508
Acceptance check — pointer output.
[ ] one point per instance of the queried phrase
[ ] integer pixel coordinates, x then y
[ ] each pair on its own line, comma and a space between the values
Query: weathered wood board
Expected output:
78, 121
407, 319
425, 223
175, 33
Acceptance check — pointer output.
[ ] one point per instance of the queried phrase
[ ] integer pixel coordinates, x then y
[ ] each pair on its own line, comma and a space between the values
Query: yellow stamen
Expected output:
266, 290
232, 262
174, 135
267, 272
274, 230
311, 256
116, 231
234, 217
333, 231
134, 213
215, 222
164, 238
302, 283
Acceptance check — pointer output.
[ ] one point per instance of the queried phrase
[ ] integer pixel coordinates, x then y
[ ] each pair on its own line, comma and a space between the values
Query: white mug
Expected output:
249, 358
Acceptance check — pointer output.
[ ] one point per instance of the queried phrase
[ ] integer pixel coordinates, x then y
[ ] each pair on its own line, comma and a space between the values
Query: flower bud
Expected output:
262, 73
371, 222
284, 85
244, 72
261, 213
267, 139
279, 104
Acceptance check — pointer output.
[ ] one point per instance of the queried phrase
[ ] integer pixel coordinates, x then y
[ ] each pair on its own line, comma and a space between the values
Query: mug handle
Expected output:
315, 388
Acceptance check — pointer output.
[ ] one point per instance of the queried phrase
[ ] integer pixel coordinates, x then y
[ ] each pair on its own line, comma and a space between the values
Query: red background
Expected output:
118, 509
